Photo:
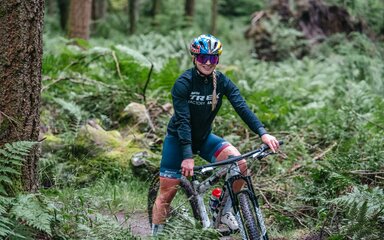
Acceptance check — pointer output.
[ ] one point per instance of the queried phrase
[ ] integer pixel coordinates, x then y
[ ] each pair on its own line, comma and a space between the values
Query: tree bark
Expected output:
79, 18
99, 9
155, 10
214, 17
20, 78
133, 15
63, 6
52, 7
189, 11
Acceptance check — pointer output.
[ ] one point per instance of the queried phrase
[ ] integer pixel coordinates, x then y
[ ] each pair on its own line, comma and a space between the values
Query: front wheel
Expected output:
184, 205
248, 217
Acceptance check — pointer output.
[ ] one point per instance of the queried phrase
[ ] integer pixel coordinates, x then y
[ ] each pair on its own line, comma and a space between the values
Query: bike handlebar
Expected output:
261, 149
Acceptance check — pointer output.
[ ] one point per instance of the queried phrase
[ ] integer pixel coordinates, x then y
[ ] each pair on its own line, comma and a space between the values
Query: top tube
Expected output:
263, 148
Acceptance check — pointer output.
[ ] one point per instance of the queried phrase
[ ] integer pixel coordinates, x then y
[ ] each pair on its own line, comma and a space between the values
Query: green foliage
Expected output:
33, 212
285, 41
75, 114
327, 107
11, 160
5, 221
186, 228
24, 209
364, 212
96, 212
240, 8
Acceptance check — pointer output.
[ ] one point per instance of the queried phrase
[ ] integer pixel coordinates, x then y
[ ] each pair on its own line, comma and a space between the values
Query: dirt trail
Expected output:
137, 222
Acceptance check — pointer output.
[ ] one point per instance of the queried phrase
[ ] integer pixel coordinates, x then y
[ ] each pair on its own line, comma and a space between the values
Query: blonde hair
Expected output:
214, 96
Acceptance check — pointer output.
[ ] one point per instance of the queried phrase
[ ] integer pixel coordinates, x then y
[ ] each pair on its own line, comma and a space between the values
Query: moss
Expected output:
52, 142
123, 154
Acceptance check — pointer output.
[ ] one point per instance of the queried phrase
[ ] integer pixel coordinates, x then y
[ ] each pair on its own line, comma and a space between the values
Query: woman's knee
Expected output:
227, 152
243, 166
232, 151
168, 189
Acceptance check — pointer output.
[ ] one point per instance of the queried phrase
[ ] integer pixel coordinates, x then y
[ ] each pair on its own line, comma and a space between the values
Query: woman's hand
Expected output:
271, 141
187, 167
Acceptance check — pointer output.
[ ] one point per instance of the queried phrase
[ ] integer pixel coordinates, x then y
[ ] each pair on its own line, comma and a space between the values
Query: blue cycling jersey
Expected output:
193, 115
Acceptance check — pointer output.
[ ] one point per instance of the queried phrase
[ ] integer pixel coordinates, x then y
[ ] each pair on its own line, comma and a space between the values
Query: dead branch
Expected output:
322, 154
147, 82
365, 172
117, 65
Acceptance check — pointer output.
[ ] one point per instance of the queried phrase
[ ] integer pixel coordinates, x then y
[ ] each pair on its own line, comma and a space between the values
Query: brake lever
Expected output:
263, 155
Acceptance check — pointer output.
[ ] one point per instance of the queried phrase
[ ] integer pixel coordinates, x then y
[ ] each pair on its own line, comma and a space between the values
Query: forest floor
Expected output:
138, 223
139, 226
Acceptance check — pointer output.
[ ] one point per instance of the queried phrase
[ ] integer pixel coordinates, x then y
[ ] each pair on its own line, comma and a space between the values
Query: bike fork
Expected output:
251, 192
203, 212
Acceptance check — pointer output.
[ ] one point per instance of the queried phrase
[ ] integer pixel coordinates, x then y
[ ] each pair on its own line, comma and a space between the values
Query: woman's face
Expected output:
205, 68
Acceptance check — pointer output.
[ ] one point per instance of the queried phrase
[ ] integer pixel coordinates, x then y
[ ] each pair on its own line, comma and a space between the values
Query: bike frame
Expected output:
232, 174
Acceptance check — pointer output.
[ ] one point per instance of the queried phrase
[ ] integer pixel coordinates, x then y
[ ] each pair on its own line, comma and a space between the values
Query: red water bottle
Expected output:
214, 199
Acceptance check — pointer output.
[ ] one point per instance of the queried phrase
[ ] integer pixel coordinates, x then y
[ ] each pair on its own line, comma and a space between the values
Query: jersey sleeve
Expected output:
241, 107
180, 96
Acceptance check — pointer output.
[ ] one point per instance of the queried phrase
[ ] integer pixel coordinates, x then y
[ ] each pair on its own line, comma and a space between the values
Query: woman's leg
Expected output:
216, 149
169, 180
168, 189
225, 154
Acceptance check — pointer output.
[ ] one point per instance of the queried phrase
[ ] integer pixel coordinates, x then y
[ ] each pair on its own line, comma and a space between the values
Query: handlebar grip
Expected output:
265, 147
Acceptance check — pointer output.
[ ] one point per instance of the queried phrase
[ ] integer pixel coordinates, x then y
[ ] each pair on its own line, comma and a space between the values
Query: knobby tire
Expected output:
248, 217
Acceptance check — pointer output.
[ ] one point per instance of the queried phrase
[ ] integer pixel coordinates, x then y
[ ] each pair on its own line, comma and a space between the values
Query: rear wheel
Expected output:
183, 206
248, 217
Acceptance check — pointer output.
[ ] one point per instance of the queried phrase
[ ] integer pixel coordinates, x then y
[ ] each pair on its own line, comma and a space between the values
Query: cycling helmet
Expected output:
206, 44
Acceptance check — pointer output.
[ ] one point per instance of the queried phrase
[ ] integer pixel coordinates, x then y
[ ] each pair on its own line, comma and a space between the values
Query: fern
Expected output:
364, 208
11, 160
29, 209
5, 223
74, 111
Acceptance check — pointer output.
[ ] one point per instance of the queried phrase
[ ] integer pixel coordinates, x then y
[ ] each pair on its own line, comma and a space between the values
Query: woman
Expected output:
197, 96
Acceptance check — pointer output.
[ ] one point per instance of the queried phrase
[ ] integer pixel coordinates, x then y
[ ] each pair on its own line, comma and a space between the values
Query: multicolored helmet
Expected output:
206, 44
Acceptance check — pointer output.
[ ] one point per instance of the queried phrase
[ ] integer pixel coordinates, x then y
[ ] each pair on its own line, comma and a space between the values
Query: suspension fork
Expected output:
251, 192
200, 203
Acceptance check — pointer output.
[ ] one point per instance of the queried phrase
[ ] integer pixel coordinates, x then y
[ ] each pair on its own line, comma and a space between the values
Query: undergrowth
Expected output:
327, 107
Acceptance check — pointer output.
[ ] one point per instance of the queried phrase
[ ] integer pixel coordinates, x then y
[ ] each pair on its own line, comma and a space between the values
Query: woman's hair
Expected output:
214, 96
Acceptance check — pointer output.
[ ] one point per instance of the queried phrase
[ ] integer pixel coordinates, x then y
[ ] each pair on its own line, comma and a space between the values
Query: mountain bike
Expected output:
189, 200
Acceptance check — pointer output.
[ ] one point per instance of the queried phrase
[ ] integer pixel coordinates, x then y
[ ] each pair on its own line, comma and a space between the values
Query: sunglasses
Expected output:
203, 58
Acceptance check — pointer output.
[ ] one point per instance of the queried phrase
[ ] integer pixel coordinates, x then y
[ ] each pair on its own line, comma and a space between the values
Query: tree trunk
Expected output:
99, 9
63, 6
214, 17
51, 5
133, 15
79, 18
154, 11
189, 11
20, 78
